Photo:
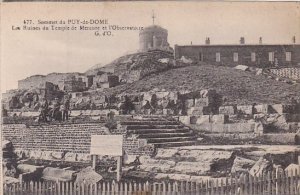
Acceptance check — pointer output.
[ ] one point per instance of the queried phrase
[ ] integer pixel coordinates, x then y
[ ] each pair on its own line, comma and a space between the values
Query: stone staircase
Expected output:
160, 131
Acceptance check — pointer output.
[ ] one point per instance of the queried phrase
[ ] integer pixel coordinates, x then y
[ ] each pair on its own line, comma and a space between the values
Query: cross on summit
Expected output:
153, 17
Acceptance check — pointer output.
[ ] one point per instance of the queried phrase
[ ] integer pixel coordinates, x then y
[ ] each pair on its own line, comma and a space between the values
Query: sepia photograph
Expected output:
144, 98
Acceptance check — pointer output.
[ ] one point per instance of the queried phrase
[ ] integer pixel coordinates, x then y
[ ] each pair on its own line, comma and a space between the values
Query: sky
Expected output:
26, 53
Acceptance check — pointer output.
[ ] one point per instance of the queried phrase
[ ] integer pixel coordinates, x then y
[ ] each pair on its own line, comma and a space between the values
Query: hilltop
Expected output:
236, 86
133, 67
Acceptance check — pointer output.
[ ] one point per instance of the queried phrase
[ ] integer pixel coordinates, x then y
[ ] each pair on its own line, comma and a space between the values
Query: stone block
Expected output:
185, 120
69, 156
35, 154
10, 180
46, 155
260, 167
219, 119
56, 174
199, 110
88, 176
240, 127
284, 108
205, 127
168, 111
84, 157
203, 119
25, 168
282, 138
57, 155
245, 109
202, 101
195, 168
227, 110
259, 128
241, 164
219, 128
262, 109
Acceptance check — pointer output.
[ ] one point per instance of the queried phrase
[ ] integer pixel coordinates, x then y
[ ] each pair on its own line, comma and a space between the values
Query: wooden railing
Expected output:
270, 183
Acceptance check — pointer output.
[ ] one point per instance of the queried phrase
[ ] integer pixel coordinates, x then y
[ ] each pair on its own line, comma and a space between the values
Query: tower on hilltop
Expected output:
154, 37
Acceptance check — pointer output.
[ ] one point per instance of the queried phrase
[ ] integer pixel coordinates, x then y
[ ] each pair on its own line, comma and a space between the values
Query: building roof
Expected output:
237, 45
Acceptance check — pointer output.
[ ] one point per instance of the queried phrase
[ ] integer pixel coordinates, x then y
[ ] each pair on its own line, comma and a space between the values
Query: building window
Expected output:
218, 57
253, 57
288, 56
235, 57
271, 57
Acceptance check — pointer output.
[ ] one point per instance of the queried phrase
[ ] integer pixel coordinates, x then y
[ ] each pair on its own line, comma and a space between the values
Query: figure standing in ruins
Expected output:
44, 111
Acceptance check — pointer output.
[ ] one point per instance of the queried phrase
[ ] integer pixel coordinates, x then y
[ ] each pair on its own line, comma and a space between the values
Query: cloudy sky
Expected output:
26, 53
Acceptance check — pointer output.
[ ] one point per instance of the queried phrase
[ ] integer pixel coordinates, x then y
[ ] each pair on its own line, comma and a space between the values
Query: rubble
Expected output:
56, 174
241, 164
260, 167
88, 176
10, 180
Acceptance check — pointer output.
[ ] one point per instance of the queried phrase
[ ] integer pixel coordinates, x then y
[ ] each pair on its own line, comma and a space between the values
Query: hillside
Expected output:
132, 67
238, 87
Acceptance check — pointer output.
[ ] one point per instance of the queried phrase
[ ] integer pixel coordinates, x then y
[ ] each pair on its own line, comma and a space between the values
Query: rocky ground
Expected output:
196, 163
236, 86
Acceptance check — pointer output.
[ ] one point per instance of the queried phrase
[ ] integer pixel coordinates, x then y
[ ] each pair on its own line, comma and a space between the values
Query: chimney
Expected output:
294, 40
260, 40
242, 41
207, 41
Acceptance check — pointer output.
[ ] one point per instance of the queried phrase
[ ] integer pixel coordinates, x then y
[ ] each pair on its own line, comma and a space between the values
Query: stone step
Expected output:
149, 122
153, 116
132, 127
155, 131
174, 144
166, 135
149, 119
169, 139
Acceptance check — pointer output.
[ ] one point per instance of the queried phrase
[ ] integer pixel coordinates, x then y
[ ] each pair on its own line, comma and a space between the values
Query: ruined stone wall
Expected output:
135, 146
292, 73
59, 137
67, 138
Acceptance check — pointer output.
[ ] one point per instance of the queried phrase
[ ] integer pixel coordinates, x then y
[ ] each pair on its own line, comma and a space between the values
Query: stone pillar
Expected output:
94, 159
119, 168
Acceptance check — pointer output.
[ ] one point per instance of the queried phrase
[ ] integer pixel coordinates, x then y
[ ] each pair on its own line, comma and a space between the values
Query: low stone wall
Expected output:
282, 138
276, 138
292, 73
225, 128
73, 113
68, 142
53, 137
134, 146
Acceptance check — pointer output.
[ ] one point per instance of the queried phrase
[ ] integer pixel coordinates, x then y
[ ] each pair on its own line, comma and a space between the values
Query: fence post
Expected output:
169, 188
175, 187
269, 182
292, 182
125, 188
296, 181
181, 187
147, 187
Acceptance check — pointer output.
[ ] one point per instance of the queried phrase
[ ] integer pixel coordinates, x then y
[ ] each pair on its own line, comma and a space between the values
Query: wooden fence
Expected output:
271, 183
